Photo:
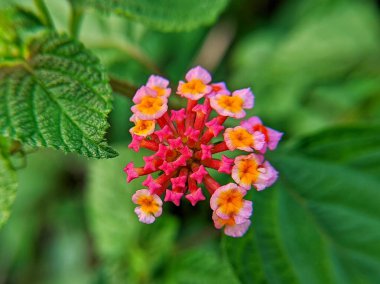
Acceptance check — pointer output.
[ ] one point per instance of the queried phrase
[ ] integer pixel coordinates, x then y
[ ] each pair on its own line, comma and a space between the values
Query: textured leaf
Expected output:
58, 98
166, 15
318, 225
131, 251
8, 185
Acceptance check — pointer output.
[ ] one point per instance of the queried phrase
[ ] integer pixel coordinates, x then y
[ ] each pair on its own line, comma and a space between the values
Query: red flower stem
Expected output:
161, 122
192, 184
219, 147
211, 163
150, 145
211, 184
199, 120
169, 122
164, 180
189, 113
142, 172
221, 119
180, 126
207, 136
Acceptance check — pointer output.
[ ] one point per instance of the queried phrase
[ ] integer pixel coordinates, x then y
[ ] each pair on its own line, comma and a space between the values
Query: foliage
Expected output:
8, 182
166, 15
65, 65
58, 97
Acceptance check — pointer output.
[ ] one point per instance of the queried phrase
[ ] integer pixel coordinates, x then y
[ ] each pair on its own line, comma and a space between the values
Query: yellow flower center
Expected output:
195, 86
150, 105
232, 104
241, 138
248, 172
148, 204
230, 202
143, 127
160, 91
229, 222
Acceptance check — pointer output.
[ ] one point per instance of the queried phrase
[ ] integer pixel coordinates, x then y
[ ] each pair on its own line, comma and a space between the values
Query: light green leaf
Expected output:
8, 185
130, 250
318, 225
58, 97
166, 15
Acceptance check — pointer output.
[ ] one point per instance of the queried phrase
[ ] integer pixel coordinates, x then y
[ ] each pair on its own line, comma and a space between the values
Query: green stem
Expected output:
75, 20
132, 51
122, 87
44, 13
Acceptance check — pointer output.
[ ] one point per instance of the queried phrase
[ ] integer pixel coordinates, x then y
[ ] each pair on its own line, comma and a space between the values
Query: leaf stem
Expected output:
123, 88
76, 17
132, 51
44, 13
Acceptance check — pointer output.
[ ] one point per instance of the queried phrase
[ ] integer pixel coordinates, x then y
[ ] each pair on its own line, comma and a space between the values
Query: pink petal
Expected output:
237, 230
199, 174
195, 196
198, 73
131, 172
246, 96
174, 197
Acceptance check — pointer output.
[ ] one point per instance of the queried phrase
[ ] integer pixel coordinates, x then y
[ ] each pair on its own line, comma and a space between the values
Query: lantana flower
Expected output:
183, 144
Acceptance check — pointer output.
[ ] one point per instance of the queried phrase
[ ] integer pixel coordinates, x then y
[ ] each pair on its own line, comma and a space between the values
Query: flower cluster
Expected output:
183, 147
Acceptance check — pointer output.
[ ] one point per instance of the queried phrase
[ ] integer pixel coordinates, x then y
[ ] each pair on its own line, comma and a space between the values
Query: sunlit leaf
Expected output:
58, 97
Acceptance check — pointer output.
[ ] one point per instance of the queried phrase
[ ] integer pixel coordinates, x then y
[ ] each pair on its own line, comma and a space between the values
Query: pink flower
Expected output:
196, 86
184, 143
252, 170
150, 206
272, 137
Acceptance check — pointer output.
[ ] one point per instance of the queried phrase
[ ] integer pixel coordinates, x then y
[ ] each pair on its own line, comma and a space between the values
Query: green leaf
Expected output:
130, 250
199, 265
318, 225
357, 146
166, 15
58, 97
8, 185
314, 70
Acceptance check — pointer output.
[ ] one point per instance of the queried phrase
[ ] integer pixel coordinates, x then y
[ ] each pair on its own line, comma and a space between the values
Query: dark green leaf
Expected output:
358, 146
8, 185
319, 225
166, 15
59, 98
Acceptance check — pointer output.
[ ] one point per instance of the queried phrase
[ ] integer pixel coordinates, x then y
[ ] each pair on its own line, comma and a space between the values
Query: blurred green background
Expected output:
314, 67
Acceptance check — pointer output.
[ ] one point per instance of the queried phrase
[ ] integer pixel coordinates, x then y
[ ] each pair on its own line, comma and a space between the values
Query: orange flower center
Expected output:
160, 91
241, 138
248, 172
230, 202
232, 104
143, 127
195, 86
150, 105
148, 204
